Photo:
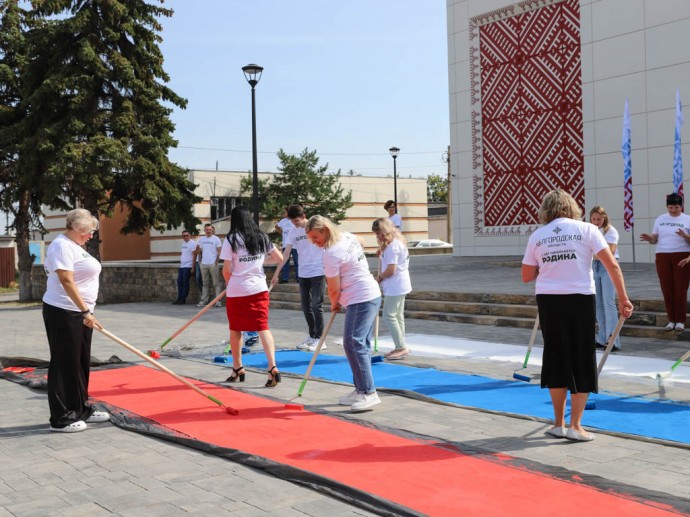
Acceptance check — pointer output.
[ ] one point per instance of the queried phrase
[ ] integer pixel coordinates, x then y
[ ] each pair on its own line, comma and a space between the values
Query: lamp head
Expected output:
252, 73
394, 152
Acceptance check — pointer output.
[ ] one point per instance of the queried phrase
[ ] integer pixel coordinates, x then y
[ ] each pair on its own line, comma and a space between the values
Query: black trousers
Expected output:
68, 372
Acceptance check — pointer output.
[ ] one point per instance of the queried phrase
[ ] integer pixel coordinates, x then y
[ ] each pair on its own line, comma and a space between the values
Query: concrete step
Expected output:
493, 309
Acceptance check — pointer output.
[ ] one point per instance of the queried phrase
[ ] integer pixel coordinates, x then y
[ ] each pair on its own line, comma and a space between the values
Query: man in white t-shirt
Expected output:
393, 214
311, 279
209, 247
184, 272
283, 227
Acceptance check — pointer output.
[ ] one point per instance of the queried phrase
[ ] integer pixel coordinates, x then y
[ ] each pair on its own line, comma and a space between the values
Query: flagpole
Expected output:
626, 152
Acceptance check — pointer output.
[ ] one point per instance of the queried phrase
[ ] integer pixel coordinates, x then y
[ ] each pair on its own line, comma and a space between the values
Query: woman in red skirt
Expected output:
244, 252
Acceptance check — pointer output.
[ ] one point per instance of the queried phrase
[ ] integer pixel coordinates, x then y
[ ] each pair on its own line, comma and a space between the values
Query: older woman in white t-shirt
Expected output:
671, 234
607, 316
244, 252
394, 278
350, 285
68, 305
559, 256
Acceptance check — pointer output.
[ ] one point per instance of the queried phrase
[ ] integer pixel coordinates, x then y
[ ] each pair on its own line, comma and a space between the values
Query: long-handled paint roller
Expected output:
666, 375
377, 358
156, 353
228, 409
288, 405
516, 375
592, 404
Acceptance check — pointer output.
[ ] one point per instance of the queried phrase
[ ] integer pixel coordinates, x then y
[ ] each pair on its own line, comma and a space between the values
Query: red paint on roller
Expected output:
154, 353
294, 406
231, 410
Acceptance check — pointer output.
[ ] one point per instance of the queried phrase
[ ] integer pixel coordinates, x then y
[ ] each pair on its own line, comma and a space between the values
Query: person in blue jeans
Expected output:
607, 311
283, 227
350, 285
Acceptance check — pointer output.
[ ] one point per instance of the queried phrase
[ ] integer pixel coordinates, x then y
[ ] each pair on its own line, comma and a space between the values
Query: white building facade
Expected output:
537, 93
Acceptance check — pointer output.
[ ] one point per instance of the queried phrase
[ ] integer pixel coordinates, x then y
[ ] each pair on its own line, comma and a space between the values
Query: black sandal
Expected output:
238, 373
275, 378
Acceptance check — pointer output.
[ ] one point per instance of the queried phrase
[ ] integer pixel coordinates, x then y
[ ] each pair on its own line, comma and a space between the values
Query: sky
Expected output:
349, 79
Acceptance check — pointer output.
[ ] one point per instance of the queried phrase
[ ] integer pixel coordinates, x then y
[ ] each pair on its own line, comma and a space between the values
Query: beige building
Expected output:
220, 192
537, 93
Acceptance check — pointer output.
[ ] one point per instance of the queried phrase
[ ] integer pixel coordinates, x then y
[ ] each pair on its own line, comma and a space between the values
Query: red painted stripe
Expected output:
413, 473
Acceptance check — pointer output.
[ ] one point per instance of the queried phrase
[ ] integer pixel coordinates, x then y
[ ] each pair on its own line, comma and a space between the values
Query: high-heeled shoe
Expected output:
237, 373
275, 378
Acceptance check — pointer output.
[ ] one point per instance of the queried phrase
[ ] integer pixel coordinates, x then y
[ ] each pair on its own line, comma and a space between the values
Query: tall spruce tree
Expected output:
302, 182
96, 90
20, 192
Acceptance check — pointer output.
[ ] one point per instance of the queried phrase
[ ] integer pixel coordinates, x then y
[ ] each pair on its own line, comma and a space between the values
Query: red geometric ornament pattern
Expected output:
526, 94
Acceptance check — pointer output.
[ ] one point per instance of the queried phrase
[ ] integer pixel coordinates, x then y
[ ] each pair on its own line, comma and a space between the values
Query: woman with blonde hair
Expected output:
607, 316
68, 305
559, 256
394, 279
351, 285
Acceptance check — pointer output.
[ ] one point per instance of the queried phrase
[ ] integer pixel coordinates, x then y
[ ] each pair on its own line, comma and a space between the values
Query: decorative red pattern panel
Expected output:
531, 111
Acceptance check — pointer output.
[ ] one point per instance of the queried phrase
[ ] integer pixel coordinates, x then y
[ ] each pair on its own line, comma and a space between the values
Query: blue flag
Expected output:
677, 151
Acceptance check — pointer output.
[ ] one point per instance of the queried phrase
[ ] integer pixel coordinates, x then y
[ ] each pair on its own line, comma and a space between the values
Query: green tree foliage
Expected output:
436, 189
94, 127
302, 182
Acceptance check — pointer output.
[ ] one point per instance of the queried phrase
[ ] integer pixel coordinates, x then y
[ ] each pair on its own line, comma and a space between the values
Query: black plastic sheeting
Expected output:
136, 423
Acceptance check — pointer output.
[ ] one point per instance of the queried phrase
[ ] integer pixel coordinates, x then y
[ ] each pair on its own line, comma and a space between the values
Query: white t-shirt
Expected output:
398, 284
563, 251
611, 237
187, 253
396, 220
64, 253
346, 259
666, 227
209, 249
246, 271
287, 226
309, 254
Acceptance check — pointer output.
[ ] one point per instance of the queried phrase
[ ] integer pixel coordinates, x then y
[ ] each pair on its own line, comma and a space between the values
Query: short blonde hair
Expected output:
80, 220
558, 203
324, 224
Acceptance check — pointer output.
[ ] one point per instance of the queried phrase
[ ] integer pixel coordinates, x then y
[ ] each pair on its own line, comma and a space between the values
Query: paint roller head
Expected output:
231, 410
154, 353
519, 377
376, 358
298, 407
664, 375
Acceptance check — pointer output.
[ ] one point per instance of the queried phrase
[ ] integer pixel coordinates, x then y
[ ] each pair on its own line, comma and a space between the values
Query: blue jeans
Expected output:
183, 275
311, 297
359, 327
607, 312
197, 277
285, 272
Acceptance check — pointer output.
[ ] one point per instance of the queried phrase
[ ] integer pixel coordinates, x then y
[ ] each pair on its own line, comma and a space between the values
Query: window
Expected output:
222, 206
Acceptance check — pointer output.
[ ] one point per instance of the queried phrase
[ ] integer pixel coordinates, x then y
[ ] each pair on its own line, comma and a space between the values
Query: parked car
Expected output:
429, 243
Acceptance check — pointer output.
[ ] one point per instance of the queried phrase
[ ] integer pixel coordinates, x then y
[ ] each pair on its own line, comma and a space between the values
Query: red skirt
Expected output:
248, 313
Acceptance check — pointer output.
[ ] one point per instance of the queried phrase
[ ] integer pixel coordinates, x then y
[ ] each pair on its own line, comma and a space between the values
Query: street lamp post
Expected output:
253, 73
394, 153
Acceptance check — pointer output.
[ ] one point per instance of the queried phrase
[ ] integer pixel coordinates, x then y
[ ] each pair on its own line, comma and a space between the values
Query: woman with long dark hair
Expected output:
245, 250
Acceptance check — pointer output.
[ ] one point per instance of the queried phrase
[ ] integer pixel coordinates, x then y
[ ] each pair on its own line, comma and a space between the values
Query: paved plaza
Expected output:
110, 471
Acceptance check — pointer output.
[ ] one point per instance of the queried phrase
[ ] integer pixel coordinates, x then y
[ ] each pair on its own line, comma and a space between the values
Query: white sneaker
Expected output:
315, 344
74, 427
305, 344
670, 326
365, 402
349, 399
201, 304
98, 417
680, 326
218, 304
